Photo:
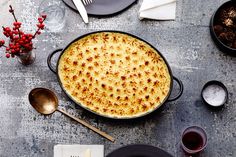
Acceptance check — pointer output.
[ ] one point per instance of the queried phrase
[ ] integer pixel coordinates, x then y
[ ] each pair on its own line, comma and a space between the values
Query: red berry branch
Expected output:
20, 42
16, 23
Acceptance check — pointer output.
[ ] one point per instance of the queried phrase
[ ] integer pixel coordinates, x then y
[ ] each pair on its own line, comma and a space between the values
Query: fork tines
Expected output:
87, 2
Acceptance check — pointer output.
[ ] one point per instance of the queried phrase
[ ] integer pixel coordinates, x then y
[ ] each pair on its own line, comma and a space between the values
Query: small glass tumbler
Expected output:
194, 140
55, 11
26, 58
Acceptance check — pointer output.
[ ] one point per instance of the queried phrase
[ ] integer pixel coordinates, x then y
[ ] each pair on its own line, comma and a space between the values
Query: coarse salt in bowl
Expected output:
214, 93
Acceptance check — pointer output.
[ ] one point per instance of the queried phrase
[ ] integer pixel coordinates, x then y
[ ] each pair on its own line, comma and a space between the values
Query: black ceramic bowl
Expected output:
215, 17
214, 93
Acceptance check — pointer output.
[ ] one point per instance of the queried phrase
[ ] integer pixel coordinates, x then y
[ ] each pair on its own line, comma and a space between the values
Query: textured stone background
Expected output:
186, 44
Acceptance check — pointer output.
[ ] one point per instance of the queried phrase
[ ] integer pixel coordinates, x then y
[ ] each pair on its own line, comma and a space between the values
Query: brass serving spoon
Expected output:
45, 102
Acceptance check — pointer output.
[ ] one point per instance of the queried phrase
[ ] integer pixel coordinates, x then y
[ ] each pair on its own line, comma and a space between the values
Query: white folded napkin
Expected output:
78, 151
158, 9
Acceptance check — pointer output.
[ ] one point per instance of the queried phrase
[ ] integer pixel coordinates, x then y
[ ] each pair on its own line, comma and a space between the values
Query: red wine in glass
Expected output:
194, 140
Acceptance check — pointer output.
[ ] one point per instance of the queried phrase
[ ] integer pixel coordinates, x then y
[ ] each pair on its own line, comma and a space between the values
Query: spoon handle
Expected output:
88, 126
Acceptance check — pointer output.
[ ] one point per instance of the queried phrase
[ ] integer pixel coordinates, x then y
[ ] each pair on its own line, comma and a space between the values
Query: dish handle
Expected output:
181, 89
50, 58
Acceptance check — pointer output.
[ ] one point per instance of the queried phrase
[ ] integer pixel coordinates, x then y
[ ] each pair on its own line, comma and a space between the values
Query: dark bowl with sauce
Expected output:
223, 27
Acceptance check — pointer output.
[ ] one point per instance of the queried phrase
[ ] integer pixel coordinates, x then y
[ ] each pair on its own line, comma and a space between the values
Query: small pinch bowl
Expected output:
223, 88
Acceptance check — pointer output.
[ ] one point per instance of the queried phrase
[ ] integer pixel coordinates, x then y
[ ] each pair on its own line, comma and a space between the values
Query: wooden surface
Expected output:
186, 44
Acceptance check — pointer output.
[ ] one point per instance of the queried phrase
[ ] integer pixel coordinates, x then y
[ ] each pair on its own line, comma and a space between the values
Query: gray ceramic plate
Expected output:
104, 7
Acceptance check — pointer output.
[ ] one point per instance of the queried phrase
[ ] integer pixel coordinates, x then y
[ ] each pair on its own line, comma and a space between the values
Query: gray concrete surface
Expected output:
186, 44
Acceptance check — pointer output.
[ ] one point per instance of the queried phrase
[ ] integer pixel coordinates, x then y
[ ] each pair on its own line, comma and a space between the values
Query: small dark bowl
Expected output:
223, 47
220, 84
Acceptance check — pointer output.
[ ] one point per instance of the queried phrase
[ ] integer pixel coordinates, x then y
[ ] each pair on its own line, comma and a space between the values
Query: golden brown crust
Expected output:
114, 74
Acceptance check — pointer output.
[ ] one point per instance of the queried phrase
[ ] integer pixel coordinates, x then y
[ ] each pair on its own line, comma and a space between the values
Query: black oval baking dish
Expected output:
179, 82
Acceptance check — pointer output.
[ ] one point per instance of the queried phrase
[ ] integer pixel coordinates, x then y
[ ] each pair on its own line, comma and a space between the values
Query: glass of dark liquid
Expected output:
194, 140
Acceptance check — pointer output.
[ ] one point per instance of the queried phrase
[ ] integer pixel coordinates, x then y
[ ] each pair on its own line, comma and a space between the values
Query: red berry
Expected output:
40, 20
2, 42
15, 37
38, 33
15, 23
17, 45
8, 55
44, 16
26, 41
8, 29
42, 26
17, 50
12, 55
7, 49
21, 42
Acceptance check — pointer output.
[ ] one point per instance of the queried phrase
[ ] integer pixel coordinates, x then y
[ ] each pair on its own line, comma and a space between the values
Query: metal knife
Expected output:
80, 7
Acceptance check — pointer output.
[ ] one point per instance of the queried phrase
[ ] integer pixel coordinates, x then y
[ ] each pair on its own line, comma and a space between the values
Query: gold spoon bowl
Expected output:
45, 102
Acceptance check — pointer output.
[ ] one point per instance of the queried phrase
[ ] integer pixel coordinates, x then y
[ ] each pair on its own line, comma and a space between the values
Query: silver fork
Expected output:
87, 2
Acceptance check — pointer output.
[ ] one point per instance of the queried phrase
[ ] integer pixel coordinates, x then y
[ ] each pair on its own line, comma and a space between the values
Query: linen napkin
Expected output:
158, 9
78, 151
